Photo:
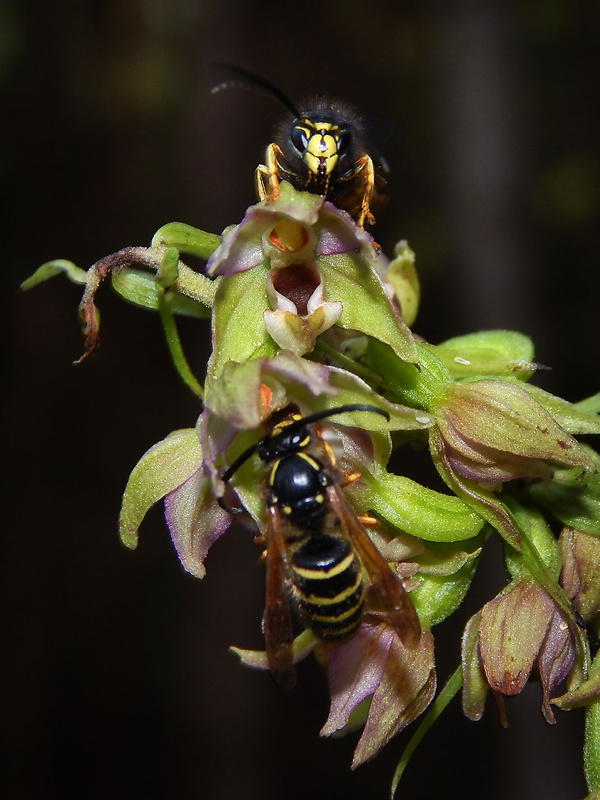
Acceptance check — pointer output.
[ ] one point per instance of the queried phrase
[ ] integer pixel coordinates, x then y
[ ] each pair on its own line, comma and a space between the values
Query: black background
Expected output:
118, 682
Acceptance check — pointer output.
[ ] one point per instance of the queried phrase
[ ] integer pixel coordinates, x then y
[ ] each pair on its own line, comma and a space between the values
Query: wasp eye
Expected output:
299, 138
343, 142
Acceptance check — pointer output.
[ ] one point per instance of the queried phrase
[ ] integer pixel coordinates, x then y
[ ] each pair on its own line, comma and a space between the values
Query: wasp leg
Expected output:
349, 476
267, 175
367, 168
367, 521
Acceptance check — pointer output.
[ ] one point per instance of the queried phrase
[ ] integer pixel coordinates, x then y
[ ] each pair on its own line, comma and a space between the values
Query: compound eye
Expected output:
299, 138
343, 142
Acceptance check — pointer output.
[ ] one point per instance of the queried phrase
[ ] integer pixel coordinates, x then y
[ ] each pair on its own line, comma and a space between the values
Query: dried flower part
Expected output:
374, 663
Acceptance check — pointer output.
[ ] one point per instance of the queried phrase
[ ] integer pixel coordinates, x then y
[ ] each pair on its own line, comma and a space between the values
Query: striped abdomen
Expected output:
328, 586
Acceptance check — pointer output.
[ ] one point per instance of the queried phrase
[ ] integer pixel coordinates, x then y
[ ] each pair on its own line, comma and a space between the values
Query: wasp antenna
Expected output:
331, 412
241, 459
240, 78
230, 509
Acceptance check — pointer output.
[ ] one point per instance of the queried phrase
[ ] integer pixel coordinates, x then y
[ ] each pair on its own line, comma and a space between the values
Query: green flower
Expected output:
294, 267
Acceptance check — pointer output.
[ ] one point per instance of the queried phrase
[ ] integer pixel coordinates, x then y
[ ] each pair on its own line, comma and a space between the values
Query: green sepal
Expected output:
418, 384
351, 280
475, 687
438, 596
402, 275
447, 558
573, 497
586, 691
141, 289
164, 467
416, 509
186, 239
496, 353
590, 404
50, 269
575, 418
539, 535
239, 332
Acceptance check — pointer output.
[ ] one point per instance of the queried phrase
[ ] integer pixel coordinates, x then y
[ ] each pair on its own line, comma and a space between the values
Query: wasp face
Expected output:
320, 143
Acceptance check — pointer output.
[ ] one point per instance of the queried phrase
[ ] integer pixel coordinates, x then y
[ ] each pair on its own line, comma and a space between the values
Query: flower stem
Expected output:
450, 690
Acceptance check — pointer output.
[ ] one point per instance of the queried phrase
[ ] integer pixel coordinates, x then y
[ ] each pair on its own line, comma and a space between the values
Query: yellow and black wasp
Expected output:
317, 550
322, 148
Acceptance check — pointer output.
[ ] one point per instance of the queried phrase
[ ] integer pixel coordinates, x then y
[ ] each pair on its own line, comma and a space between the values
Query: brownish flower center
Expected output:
296, 282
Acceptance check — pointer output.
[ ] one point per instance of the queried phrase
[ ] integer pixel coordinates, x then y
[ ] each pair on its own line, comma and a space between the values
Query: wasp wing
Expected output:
279, 635
386, 583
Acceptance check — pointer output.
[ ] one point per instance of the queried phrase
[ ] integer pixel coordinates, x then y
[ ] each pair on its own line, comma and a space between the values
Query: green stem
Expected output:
371, 377
174, 344
450, 690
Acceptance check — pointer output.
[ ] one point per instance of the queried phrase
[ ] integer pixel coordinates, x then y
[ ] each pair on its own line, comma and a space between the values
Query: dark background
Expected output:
118, 682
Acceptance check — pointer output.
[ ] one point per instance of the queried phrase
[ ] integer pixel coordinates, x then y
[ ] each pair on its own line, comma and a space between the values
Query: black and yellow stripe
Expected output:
328, 586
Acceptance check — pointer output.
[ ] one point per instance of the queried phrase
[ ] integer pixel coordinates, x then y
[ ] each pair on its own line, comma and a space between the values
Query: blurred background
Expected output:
117, 678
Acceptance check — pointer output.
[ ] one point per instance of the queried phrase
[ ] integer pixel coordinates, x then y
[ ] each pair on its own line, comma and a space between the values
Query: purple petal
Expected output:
195, 521
355, 670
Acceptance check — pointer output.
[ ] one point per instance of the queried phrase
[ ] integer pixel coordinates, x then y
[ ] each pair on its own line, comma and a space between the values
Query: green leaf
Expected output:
575, 418
160, 470
496, 353
52, 268
140, 288
186, 239
573, 497
402, 275
438, 596
418, 510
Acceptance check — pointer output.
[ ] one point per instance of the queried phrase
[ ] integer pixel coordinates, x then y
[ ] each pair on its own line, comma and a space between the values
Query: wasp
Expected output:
318, 553
322, 148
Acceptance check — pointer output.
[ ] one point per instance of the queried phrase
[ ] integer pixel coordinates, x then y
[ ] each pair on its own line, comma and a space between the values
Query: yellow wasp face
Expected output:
321, 143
